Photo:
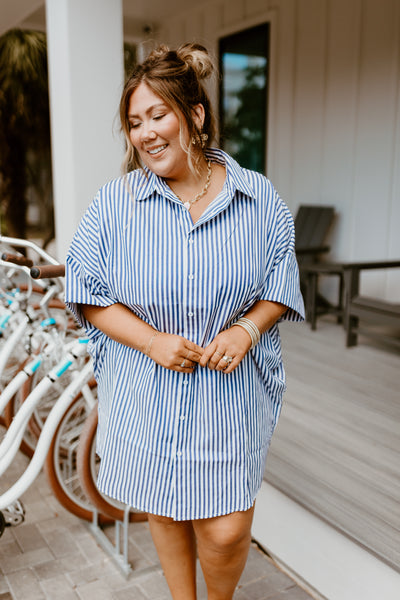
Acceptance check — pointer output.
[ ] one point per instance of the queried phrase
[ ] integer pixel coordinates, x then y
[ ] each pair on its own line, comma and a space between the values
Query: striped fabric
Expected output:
187, 446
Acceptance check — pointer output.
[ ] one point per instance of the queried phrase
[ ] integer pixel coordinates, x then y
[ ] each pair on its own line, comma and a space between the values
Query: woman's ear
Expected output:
199, 114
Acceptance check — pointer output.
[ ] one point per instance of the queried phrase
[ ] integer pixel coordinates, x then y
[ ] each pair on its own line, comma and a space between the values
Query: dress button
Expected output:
191, 276
179, 453
183, 417
185, 382
190, 314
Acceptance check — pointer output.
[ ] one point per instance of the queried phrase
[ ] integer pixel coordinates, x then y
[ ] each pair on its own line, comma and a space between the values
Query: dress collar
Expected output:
235, 174
148, 182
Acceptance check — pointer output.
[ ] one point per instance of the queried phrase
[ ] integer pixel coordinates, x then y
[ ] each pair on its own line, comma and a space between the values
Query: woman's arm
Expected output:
264, 314
123, 326
235, 341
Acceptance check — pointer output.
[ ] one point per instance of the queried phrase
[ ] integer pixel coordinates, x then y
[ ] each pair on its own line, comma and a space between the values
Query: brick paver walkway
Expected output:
54, 556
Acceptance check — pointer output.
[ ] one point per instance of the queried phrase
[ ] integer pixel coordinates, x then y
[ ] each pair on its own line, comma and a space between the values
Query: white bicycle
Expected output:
60, 441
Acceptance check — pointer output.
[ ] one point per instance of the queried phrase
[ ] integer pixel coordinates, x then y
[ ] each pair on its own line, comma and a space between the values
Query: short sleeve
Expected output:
85, 268
282, 281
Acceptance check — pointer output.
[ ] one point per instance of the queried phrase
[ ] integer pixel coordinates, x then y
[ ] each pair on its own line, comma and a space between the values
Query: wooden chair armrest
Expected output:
352, 274
313, 251
385, 264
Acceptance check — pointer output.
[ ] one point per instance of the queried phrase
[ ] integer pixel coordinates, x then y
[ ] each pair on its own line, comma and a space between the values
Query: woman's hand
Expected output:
226, 350
175, 352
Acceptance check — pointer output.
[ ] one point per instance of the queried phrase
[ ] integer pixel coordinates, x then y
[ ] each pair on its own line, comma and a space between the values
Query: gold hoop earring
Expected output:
201, 138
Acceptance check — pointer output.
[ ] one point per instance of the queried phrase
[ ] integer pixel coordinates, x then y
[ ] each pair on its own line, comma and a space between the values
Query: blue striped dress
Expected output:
187, 446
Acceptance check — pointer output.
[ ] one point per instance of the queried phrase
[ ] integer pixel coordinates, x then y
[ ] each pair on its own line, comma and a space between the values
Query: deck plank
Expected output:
337, 445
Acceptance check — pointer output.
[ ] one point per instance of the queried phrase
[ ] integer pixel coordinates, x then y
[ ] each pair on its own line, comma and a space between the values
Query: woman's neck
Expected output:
188, 185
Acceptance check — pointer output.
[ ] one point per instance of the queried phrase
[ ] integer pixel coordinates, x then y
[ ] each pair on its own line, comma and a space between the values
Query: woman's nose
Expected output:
148, 132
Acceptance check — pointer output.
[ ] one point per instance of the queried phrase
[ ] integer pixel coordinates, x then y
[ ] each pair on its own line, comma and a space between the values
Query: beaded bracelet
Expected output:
147, 351
251, 329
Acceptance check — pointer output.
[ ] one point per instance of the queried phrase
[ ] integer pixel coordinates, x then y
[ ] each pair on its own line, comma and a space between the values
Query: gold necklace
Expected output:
189, 203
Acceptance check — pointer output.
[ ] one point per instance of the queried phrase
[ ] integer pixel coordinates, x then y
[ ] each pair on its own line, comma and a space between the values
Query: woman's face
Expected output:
154, 132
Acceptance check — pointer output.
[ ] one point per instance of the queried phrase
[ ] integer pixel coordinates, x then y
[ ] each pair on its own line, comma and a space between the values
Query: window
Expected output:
244, 64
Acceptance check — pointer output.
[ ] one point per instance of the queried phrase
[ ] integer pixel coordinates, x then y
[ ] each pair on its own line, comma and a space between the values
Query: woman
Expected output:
180, 271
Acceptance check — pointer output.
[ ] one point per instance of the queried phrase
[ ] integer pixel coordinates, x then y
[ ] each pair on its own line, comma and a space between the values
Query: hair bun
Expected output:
197, 57
158, 53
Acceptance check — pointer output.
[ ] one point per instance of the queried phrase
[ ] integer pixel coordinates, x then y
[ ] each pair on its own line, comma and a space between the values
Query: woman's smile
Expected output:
155, 132
157, 150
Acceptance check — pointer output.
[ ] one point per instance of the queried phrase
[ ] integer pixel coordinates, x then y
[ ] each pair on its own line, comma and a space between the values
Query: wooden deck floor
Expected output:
336, 449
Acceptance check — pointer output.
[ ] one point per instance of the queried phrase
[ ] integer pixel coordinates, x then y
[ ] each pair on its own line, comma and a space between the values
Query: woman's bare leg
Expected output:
223, 545
176, 547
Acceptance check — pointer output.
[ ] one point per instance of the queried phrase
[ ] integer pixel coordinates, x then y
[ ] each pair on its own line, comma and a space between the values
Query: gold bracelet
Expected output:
147, 351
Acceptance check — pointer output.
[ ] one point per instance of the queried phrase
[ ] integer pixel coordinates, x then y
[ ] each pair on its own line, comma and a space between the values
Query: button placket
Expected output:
183, 442
181, 415
190, 276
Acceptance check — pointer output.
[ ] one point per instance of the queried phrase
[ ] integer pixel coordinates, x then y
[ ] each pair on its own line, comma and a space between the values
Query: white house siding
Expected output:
334, 130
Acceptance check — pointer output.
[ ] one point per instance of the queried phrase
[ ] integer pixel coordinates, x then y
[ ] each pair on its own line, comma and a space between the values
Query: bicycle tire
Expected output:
70, 497
87, 473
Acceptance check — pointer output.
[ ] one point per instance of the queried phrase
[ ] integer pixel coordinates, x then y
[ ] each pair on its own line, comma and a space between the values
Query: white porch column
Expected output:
85, 49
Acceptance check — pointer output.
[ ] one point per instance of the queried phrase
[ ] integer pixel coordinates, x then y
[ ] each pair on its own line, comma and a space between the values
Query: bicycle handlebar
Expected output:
17, 259
28, 244
47, 271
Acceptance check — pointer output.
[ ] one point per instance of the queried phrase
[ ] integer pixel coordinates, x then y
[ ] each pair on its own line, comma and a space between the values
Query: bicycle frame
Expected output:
11, 442
49, 428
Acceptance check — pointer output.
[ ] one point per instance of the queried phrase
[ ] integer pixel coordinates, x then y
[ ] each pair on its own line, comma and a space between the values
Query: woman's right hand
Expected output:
175, 352
122, 325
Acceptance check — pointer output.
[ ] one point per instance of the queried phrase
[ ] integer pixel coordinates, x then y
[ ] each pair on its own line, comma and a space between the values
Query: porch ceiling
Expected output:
138, 14
14, 13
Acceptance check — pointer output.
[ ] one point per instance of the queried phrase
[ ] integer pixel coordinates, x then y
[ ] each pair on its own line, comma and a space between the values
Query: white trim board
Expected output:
318, 554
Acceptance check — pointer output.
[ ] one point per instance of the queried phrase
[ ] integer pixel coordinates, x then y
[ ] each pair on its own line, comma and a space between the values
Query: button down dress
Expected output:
186, 446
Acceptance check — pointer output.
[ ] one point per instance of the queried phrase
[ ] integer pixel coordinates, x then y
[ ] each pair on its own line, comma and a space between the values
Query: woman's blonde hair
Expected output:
176, 76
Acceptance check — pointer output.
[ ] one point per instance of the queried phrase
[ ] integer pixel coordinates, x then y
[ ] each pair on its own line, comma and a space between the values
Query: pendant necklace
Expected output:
189, 203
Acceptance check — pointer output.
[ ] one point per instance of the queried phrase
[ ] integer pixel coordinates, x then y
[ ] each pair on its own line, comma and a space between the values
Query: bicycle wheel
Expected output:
87, 466
61, 465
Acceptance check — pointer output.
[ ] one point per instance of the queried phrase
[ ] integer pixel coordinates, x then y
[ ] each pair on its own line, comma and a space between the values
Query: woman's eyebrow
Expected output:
148, 111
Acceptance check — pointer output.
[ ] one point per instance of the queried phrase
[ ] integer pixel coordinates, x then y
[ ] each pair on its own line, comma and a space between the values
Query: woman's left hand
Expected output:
226, 350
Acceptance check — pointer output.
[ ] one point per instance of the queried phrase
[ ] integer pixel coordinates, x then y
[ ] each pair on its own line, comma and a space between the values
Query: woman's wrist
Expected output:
150, 343
251, 328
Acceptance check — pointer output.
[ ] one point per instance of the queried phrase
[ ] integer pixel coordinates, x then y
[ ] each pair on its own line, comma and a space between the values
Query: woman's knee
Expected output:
224, 534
